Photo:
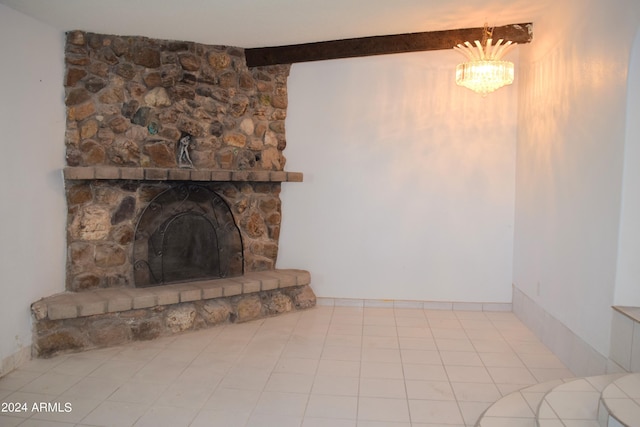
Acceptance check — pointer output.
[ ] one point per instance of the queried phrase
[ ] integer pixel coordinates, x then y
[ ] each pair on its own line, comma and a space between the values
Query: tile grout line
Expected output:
315, 374
483, 365
360, 366
404, 377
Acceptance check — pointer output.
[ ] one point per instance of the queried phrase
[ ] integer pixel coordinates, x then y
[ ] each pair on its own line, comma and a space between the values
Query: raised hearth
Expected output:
74, 321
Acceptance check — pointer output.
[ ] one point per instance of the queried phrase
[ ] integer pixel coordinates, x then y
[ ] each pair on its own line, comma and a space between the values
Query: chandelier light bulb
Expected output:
485, 71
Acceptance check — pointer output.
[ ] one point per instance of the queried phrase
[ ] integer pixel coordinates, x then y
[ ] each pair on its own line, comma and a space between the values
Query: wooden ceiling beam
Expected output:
381, 45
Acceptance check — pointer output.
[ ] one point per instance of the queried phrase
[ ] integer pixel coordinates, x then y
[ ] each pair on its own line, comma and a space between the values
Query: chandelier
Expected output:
485, 71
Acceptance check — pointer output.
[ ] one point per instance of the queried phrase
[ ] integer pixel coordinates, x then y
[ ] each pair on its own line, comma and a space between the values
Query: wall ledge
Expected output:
632, 313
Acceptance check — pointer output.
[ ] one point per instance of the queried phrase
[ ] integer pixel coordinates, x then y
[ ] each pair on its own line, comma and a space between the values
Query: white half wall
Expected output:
408, 189
628, 271
32, 207
571, 136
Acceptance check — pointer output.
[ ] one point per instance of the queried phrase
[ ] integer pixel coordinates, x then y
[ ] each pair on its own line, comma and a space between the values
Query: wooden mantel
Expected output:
381, 45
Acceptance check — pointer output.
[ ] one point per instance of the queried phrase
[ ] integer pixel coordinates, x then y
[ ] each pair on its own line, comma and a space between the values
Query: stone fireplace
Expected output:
156, 244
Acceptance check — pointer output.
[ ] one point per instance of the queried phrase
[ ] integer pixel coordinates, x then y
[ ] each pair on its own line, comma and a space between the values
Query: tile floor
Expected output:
573, 403
327, 366
622, 400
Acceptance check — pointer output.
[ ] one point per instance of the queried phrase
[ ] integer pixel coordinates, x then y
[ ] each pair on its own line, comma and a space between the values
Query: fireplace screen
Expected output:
186, 233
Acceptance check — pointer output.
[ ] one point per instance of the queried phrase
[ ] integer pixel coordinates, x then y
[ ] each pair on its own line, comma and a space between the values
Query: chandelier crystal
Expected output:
485, 71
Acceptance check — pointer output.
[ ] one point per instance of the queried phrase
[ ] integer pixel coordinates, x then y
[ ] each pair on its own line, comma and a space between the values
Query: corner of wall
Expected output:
573, 351
32, 121
15, 360
625, 339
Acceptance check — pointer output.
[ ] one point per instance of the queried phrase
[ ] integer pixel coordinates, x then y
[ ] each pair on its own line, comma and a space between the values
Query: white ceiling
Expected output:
258, 23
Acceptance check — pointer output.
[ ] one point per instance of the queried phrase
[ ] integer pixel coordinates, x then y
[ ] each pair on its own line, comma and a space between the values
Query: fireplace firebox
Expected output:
186, 233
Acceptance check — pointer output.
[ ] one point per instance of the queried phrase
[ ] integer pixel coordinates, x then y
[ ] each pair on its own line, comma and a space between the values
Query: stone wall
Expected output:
129, 101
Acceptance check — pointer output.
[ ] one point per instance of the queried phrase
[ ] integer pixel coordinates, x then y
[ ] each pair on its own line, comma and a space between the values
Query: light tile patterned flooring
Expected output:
327, 366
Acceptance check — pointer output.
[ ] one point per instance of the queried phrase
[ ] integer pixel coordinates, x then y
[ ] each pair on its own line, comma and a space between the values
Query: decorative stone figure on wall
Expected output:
184, 161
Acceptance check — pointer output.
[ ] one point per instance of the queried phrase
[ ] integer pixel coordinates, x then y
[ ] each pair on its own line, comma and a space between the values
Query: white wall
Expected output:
628, 271
408, 189
571, 134
32, 205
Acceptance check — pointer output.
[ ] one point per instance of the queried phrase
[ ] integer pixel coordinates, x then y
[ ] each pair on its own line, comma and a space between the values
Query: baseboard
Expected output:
422, 305
573, 351
15, 360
